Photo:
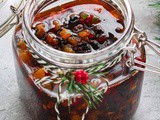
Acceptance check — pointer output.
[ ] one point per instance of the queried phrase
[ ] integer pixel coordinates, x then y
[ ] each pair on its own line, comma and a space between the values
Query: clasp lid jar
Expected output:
69, 73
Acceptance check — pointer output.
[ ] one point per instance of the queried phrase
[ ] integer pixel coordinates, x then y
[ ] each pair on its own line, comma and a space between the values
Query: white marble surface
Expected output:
149, 108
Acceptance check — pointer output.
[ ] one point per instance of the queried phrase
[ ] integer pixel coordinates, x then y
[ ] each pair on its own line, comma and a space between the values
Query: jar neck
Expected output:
62, 59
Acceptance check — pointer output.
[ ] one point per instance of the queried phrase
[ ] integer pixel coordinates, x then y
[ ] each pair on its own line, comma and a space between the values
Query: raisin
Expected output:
74, 18
102, 38
41, 33
51, 39
56, 25
68, 48
94, 44
84, 33
92, 34
39, 74
65, 34
73, 40
22, 45
98, 29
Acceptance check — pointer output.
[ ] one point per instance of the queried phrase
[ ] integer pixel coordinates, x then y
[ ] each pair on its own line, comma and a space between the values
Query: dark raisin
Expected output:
74, 18
119, 30
86, 47
94, 44
98, 29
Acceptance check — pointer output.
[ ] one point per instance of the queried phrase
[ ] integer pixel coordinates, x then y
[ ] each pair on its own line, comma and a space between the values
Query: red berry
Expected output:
81, 76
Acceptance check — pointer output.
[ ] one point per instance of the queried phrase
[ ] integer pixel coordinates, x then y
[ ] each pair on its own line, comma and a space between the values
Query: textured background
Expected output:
149, 108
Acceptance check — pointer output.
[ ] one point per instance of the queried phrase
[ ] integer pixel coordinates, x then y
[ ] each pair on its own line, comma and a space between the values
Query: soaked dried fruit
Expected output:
73, 41
65, 34
68, 48
22, 45
84, 33
56, 25
39, 74
48, 85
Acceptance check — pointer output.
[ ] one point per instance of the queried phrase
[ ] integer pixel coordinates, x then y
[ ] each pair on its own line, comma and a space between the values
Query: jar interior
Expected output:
36, 7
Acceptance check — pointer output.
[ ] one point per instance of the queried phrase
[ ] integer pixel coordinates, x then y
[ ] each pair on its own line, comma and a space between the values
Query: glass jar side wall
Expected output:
120, 101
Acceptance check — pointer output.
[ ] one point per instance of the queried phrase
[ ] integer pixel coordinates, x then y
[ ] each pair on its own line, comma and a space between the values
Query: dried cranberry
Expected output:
102, 38
92, 34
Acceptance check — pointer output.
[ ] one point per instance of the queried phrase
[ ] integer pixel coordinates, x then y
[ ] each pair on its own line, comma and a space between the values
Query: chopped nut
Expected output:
39, 74
65, 34
84, 33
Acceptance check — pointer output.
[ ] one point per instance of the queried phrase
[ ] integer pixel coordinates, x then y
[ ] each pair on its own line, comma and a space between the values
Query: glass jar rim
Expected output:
47, 52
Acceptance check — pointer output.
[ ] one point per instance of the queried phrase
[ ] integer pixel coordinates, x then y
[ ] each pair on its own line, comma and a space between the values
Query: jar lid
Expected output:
8, 15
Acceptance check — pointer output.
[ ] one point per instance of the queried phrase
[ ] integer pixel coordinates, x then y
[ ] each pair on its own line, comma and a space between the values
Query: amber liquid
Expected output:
111, 22
120, 101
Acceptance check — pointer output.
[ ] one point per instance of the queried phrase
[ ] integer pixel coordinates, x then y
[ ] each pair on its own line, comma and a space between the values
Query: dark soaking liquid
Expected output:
120, 101
81, 26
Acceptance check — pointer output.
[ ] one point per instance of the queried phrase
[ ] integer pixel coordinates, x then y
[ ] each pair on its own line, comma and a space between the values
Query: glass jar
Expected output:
45, 75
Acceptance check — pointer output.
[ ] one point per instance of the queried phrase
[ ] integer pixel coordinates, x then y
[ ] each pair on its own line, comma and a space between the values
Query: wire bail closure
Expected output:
132, 62
14, 19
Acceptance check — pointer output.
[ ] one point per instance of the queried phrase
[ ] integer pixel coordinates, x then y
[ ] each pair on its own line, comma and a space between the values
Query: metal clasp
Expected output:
133, 62
14, 18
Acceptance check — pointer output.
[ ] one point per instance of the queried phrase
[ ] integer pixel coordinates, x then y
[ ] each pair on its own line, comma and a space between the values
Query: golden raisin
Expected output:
39, 74
26, 57
65, 34
73, 41
39, 26
40, 33
76, 117
50, 105
84, 33
51, 40
22, 45
56, 24
68, 48
47, 85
